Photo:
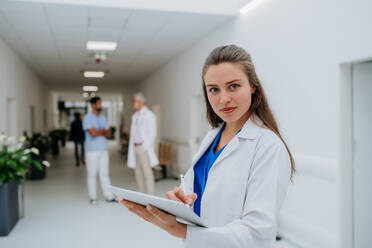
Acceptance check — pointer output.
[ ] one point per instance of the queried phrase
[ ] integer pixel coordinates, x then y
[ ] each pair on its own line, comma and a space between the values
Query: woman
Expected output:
241, 172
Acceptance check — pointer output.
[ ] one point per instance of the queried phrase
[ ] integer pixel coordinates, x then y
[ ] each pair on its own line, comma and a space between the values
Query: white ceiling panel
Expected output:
69, 32
67, 16
29, 12
106, 23
52, 38
112, 13
103, 34
2, 19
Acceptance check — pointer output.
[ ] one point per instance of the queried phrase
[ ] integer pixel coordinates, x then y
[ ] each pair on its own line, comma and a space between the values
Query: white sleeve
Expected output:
266, 187
149, 140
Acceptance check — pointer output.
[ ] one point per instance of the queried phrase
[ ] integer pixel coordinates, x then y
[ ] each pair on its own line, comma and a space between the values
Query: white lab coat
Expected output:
245, 189
147, 123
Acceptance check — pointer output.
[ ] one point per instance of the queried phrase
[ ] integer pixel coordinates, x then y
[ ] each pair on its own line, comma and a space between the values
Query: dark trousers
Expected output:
77, 157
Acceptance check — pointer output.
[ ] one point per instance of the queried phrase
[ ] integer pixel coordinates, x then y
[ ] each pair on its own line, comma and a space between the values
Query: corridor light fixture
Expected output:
101, 45
94, 74
90, 88
250, 5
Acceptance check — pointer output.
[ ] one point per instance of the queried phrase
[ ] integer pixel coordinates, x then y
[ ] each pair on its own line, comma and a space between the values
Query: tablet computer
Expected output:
178, 209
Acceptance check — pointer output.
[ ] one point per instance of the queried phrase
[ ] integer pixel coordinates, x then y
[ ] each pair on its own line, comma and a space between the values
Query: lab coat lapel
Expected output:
249, 131
230, 148
205, 144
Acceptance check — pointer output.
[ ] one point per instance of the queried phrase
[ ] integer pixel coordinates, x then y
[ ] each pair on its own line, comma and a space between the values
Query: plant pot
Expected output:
9, 209
36, 173
63, 141
63, 136
21, 199
113, 130
55, 147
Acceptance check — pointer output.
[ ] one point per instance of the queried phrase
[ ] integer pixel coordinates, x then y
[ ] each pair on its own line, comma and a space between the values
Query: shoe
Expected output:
112, 200
93, 202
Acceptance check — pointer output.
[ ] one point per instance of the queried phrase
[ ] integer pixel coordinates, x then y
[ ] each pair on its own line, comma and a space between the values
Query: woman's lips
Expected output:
228, 110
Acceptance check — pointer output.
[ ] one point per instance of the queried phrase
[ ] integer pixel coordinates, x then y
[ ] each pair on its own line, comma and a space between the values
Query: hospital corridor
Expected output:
196, 124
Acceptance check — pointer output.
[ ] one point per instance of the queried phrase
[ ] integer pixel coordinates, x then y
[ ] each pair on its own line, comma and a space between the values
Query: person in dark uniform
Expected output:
77, 135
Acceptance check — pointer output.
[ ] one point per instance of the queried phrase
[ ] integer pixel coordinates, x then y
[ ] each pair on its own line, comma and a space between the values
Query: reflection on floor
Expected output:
58, 213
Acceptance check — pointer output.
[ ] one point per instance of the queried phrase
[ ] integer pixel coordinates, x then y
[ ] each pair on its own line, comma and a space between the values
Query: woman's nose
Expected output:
225, 98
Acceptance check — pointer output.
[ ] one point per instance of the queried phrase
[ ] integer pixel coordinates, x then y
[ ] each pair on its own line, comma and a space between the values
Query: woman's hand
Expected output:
157, 217
177, 194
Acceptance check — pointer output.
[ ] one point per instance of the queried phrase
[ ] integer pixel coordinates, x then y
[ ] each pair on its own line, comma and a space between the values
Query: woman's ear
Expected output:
253, 89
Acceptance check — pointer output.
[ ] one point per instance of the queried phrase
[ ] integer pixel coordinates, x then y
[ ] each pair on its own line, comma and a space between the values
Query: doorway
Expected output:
362, 148
32, 119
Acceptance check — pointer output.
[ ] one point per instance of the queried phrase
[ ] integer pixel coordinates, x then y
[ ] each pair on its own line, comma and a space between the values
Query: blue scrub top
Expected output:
201, 170
97, 143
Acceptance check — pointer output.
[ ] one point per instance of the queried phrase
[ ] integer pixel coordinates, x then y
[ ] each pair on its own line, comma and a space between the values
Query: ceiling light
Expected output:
249, 6
102, 45
94, 74
90, 88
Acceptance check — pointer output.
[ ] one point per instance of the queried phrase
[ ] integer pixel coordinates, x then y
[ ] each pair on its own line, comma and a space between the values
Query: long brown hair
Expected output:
259, 105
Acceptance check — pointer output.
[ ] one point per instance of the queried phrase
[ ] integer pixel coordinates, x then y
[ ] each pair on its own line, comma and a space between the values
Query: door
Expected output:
199, 124
362, 162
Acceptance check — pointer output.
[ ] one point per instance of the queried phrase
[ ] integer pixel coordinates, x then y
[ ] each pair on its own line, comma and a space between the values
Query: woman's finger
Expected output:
172, 196
180, 194
139, 210
187, 199
191, 198
177, 194
158, 213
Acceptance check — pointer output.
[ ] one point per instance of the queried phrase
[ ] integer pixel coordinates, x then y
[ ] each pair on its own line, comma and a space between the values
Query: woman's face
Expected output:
229, 91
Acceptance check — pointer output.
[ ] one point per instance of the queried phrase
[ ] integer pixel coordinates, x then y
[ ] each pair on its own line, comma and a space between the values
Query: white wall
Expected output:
297, 47
19, 82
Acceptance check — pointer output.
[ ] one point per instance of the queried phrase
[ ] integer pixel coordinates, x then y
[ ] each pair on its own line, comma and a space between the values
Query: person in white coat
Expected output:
141, 150
239, 177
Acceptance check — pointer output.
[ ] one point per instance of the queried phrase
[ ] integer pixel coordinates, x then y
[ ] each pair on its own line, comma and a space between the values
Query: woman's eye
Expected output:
213, 90
234, 86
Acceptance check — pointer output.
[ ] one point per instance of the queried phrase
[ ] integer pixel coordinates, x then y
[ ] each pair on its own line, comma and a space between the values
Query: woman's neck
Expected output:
232, 128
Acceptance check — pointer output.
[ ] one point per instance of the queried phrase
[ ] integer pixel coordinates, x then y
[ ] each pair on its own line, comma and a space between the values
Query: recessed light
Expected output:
90, 88
101, 45
94, 74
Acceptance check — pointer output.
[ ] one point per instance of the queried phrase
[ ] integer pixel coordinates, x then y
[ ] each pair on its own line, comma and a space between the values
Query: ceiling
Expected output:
51, 39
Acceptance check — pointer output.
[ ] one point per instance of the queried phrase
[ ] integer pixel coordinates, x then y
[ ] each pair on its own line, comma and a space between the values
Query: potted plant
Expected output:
42, 143
14, 162
55, 137
63, 136
113, 130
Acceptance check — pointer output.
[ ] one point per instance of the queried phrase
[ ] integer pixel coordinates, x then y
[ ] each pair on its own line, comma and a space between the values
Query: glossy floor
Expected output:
58, 213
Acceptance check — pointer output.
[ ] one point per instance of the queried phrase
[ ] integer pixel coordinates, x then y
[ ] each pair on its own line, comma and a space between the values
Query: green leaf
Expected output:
12, 163
2, 178
37, 164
